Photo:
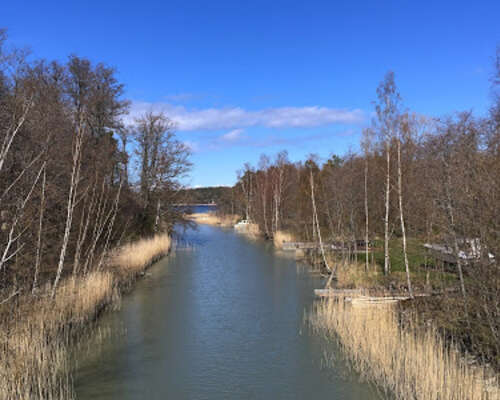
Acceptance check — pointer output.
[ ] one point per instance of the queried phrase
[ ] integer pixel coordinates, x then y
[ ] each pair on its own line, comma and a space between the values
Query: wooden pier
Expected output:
335, 246
339, 292
361, 297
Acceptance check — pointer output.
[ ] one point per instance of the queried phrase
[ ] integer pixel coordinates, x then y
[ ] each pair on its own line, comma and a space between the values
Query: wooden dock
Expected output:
336, 246
360, 297
339, 292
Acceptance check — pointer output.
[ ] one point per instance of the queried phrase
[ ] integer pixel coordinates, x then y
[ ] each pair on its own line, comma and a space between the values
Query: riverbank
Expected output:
403, 348
211, 218
397, 346
36, 331
409, 361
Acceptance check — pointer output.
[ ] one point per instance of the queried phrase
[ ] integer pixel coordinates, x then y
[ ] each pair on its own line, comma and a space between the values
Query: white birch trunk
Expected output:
403, 230
386, 218
75, 177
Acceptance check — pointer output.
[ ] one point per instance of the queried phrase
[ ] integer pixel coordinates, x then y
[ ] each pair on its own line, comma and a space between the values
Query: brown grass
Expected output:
225, 220
36, 333
355, 276
251, 231
410, 363
281, 237
132, 259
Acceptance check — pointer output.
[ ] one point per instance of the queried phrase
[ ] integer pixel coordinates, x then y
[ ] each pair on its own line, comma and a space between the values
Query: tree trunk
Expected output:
75, 177
84, 227
315, 218
386, 218
158, 209
38, 255
403, 231
366, 212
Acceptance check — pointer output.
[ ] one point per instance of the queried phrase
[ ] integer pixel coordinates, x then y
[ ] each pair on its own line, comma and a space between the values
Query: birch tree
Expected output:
366, 145
404, 127
387, 109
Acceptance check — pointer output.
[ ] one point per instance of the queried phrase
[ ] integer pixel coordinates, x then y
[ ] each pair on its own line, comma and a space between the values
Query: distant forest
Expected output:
206, 195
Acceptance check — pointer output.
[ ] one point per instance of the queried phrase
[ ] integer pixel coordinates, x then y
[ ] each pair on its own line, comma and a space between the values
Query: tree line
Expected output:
415, 180
75, 181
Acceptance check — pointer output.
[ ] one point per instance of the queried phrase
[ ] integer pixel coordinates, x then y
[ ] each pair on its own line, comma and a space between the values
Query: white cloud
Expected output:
237, 117
233, 135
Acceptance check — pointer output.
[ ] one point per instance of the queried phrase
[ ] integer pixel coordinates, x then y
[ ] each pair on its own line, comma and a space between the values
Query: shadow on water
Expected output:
221, 319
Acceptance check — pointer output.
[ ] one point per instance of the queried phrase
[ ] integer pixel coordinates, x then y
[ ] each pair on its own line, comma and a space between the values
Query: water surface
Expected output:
223, 318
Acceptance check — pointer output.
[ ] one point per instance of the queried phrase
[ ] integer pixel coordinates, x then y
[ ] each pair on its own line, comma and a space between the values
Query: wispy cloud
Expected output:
237, 117
233, 135
235, 138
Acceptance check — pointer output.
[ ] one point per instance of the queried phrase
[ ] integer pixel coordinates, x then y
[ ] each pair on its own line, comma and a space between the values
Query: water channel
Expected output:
221, 318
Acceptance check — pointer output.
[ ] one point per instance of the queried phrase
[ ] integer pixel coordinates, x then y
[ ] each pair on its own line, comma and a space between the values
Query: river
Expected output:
222, 318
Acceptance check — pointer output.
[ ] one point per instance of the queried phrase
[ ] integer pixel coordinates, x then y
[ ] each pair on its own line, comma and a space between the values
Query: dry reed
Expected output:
409, 363
355, 276
250, 230
132, 259
281, 237
36, 333
226, 220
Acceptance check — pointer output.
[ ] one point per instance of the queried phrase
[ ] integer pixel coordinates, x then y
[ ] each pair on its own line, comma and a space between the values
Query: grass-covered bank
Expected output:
407, 360
37, 330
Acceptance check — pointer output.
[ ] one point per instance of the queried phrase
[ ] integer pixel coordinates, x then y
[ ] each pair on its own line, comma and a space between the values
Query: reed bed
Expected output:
226, 220
132, 259
251, 231
355, 276
36, 333
281, 237
407, 362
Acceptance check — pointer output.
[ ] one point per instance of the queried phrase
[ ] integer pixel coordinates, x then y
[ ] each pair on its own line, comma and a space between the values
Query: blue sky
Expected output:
245, 78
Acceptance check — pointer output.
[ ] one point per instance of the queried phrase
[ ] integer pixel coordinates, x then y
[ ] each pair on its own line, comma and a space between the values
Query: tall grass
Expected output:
252, 231
36, 333
410, 363
132, 259
355, 276
34, 340
226, 220
281, 237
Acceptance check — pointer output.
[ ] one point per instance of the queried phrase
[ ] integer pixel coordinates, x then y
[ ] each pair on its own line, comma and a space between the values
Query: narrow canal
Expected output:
222, 318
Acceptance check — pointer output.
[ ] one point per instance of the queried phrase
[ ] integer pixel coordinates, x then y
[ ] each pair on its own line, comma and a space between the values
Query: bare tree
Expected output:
316, 225
405, 127
38, 257
245, 179
366, 144
262, 189
70, 207
163, 160
387, 109
279, 183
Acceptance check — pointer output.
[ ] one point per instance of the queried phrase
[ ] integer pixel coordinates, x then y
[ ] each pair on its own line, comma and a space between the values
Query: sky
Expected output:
242, 78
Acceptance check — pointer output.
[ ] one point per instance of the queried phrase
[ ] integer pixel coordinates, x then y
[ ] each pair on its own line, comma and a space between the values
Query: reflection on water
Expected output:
221, 319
